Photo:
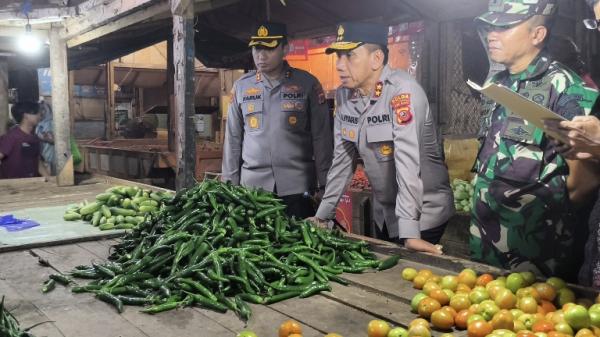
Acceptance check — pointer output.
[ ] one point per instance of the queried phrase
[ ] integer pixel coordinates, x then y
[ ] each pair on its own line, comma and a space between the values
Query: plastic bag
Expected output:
12, 224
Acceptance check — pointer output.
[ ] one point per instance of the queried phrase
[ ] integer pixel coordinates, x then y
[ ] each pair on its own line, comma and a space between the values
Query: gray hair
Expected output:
592, 3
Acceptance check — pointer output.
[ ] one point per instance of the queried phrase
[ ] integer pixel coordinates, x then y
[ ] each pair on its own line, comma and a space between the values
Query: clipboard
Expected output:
531, 111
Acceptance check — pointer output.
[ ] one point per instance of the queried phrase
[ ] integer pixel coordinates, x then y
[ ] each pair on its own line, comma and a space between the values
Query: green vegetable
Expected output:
218, 246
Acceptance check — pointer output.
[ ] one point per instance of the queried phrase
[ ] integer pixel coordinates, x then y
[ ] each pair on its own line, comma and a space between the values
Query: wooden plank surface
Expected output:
346, 310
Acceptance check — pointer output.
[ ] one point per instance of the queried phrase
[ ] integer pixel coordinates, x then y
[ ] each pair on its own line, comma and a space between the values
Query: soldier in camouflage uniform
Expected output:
521, 214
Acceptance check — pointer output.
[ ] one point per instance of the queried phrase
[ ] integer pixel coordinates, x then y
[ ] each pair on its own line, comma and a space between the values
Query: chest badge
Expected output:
385, 150
253, 122
292, 120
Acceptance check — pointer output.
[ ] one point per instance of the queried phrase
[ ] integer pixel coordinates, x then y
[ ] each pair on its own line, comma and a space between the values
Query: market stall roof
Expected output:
221, 33
223, 26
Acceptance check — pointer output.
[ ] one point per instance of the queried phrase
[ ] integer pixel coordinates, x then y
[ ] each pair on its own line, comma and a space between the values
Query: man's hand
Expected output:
583, 134
423, 246
318, 222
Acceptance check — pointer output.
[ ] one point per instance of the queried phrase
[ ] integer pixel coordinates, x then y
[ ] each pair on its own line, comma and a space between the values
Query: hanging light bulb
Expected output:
28, 43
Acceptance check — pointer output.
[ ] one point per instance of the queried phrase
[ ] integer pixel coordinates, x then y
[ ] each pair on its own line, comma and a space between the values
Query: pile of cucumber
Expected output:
463, 195
120, 207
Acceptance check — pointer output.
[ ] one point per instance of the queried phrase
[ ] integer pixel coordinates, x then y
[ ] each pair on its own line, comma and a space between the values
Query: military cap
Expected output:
351, 35
510, 12
592, 3
269, 35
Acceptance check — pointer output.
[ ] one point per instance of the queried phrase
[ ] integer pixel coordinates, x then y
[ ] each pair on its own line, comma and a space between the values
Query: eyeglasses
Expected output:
591, 23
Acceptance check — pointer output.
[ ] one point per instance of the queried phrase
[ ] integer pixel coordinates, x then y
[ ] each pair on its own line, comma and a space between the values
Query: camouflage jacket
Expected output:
520, 217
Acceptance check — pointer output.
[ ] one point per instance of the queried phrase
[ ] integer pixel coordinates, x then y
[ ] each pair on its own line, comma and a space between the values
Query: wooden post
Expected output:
72, 99
110, 101
184, 59
171, 118
3, 95
60, 107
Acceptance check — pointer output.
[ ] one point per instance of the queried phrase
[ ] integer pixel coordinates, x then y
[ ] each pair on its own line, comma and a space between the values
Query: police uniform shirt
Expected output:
278, 133
394, 133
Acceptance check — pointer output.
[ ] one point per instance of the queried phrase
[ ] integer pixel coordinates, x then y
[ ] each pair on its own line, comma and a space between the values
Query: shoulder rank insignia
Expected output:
378, 89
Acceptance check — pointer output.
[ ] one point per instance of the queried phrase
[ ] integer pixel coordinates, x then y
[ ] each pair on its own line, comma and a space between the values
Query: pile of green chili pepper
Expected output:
9, 326
220, 246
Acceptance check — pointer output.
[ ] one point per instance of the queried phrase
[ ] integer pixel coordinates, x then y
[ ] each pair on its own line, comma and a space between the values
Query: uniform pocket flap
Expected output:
380, 133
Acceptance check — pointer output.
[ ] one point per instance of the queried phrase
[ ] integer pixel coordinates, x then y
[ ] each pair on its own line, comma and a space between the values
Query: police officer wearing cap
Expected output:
523, 215
278, 134
383, 116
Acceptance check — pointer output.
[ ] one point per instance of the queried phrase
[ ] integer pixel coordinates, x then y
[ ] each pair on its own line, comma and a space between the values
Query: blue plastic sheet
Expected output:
12, 224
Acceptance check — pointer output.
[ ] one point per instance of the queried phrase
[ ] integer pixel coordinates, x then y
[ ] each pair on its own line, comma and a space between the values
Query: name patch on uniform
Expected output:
401, 107
252, 94
380, 119
349, 119
292, 95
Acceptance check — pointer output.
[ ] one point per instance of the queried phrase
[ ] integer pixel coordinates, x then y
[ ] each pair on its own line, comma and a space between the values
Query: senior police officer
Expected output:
382, 115
522, 216
278, 134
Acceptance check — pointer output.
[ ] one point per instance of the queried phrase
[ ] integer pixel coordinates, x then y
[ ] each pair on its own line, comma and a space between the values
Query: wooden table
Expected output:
345, 310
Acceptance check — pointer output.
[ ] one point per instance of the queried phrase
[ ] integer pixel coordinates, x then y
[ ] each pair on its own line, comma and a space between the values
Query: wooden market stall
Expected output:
100, 31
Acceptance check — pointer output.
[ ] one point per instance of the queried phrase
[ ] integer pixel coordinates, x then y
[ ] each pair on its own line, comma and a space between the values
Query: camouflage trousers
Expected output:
522, 228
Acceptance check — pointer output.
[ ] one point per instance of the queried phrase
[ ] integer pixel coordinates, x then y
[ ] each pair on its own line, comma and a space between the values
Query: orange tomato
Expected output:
556, 334
434, 278
450, 310
484, 279
542, 326
442, 319
378, 328
473, 309
529, 292
479, 329
440, 296
425, 272
295, 335
289, 327
463, 288
525, 333
546, 291
584, 333
418, 321
427, 306
460, 302
503, 319
419, 330
547, 306
419, 281
430, 286
468, 276
460, 320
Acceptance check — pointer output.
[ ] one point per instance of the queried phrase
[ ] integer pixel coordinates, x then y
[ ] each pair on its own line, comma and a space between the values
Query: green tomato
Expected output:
246, 333
398, 332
